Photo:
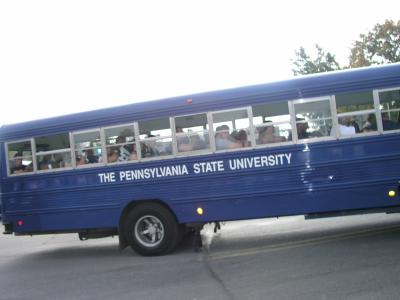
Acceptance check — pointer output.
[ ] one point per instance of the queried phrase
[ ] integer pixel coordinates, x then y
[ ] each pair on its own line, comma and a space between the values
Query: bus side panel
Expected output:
318, 177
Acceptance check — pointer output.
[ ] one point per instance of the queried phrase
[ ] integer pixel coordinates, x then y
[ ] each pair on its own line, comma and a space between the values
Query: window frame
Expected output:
251, 146
33, 151
294, 122
254, 127
358, 113
74, 149
64, 150
192, 152
379, 111
159, 157
104, 145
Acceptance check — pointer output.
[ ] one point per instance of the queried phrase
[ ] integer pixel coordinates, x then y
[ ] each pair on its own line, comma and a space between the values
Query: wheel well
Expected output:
123, 243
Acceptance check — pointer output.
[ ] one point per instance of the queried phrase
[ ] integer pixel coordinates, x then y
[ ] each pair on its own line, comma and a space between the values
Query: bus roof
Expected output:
300, 87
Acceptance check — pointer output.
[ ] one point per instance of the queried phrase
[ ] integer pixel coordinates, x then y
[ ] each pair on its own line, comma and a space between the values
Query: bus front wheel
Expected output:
151, 229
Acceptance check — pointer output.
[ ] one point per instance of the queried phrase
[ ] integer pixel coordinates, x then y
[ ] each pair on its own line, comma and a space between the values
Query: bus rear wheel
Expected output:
151, 229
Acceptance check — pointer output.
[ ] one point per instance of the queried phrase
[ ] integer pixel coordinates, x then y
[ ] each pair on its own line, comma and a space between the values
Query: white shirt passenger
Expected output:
346, 130
124, 154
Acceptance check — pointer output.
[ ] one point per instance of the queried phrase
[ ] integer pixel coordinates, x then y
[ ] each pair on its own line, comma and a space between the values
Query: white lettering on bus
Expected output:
107, 177
147, 173
262, 161
209, 166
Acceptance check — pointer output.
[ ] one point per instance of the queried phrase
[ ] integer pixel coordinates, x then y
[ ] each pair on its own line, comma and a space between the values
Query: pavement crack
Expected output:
218, 279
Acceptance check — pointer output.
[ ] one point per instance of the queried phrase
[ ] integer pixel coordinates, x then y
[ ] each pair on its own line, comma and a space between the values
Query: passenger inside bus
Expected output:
18, 166
148, 148
189, 141
182, 140
123, 150
346, 126
370, 125
266, 134
91, 158
59, 161
222, 140
87, 157
112, 155
46, 162
302, 127
80, 160
388, 124
238, 139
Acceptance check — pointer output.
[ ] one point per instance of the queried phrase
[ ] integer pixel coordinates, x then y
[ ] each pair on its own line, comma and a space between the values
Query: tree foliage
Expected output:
323, 62
379, 46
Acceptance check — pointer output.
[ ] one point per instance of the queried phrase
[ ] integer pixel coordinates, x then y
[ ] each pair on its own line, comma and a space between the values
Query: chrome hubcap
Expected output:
149, 231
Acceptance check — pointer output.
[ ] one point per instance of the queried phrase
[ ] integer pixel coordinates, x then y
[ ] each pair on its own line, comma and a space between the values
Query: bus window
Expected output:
356, 113
313, 118
20, 157
87, 147
155, 138
53, 152
192, 133
120, 144
271, 123
231, 129
390, 109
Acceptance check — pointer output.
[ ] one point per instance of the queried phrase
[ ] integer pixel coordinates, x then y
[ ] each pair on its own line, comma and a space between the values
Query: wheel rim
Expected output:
149, 231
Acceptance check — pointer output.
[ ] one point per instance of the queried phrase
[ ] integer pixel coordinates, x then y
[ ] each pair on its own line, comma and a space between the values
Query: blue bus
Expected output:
319, 145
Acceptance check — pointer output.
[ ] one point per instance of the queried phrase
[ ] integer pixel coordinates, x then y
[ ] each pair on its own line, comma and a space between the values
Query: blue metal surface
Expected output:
323, 176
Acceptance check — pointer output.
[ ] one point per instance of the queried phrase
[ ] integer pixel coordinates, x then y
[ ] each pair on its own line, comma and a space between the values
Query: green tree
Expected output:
323, 62
379, 46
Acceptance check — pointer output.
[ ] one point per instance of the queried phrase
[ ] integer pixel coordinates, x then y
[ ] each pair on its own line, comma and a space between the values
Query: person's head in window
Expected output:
112, 155
18, 166
46, 162
345, 121
91, 158
235, 140
346, 126
222, 131
120, 139
18, 157
302, 127
80, 159
243, 138
222, 137
266, 134
370, 125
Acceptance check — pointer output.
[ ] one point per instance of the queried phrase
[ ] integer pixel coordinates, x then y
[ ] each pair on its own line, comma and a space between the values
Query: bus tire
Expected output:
151, 229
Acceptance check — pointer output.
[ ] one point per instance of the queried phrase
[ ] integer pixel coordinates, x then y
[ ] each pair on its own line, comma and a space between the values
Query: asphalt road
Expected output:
289, 258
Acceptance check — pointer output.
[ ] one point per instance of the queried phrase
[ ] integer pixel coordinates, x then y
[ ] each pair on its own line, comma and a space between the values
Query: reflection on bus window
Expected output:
20, 157
192, 133
120, 144
231, 129
313, 119
155, 138
272, 123
355, 113
53, 152
87, 148
390, 109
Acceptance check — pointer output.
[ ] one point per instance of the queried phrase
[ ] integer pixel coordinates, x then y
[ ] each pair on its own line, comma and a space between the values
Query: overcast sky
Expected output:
60, 57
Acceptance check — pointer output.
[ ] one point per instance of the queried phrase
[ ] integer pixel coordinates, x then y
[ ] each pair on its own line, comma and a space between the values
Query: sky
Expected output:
62, 57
